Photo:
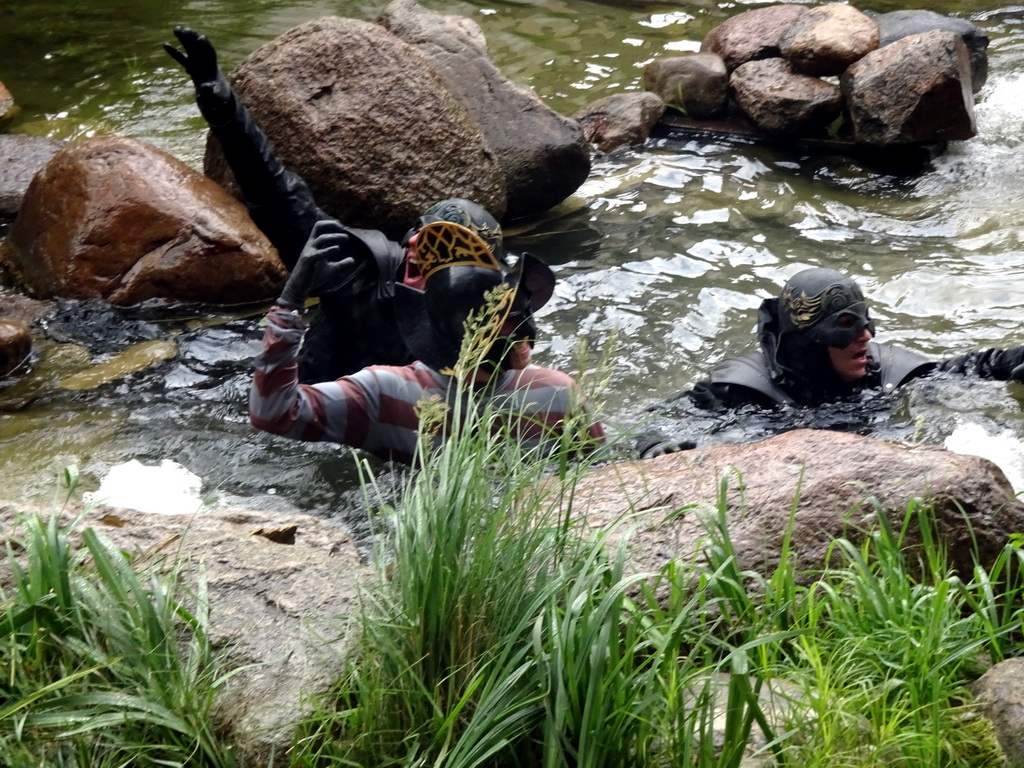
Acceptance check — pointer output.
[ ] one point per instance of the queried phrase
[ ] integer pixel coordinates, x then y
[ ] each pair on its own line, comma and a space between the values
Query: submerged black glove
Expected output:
199, 60
649, 446
323, 265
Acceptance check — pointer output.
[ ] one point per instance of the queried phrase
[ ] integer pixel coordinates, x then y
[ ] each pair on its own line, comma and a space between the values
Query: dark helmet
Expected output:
826, 306
458, 268
817, 309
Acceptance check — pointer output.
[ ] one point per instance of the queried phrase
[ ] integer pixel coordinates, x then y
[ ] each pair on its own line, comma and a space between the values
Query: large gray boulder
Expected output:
900, 24
116, 218
544, 155
816, 482
363, 117
915, 90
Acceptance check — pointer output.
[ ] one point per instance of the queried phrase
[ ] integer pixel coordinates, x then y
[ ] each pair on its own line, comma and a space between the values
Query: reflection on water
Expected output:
669, 247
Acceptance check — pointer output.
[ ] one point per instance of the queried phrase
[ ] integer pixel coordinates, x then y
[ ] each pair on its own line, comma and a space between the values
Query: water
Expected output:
669, 247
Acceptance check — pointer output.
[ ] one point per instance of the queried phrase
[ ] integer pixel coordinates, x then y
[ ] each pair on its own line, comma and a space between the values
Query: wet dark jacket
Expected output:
355, 325
758, 378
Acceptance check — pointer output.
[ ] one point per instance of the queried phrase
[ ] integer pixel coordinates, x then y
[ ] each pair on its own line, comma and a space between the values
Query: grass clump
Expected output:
101, 665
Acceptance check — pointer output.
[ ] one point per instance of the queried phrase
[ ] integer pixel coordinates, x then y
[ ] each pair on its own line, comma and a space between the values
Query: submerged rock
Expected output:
15, 348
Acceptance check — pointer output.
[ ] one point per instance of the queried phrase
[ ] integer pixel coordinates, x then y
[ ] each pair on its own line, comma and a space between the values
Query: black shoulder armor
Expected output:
749, 371
897, 365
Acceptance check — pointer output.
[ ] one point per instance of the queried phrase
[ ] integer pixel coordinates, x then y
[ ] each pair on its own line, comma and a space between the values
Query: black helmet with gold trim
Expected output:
825, 305
458, 266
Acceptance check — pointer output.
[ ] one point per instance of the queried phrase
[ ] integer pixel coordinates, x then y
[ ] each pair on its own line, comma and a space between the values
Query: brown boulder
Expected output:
780, 101
828, 39
544, 156
915, 90
1000, 694
621, 119
697, 84
829, 483
15, 347
116, 218
752, 34
364, 120
6, 102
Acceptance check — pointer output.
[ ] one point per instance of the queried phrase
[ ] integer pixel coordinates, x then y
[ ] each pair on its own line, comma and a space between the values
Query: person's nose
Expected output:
865, 334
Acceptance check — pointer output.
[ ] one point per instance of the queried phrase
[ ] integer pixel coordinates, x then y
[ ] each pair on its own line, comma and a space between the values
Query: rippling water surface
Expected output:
668, 247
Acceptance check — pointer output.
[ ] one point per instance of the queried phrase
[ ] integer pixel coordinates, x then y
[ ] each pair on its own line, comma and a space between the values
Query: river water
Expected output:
668, 247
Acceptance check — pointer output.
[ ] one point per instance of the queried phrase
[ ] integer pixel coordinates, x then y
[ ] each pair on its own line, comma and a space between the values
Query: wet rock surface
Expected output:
118, 219
828, 39
620, 120
782, 101
21, 157
543, 155
752, 35
333, 95
897, 94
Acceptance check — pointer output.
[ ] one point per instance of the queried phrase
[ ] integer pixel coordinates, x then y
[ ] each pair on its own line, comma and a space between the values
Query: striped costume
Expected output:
375, 408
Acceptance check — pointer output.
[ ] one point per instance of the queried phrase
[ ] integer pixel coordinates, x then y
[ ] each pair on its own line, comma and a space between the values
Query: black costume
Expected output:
820, 308
355, 325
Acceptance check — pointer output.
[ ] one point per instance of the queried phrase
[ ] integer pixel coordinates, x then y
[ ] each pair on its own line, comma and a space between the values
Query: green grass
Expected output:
102, 666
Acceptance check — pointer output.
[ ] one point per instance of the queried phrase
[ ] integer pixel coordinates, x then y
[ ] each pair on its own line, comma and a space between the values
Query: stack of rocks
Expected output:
887, 80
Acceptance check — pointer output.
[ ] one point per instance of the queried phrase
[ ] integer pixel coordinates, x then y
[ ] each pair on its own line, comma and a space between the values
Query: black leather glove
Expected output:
649, 446
322, 266
199, 60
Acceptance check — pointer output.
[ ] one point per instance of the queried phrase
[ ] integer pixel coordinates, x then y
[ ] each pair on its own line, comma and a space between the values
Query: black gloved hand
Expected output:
649, 446
322, 266
199, 60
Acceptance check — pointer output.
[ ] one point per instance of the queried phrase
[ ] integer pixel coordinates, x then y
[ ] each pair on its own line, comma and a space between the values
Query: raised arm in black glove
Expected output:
213, 93
323, 266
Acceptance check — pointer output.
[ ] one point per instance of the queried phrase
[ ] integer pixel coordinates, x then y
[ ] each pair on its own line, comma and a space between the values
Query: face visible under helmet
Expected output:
457, 268
825, 307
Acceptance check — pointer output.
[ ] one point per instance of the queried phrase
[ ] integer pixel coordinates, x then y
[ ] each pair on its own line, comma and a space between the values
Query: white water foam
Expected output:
1000, 446
167, 489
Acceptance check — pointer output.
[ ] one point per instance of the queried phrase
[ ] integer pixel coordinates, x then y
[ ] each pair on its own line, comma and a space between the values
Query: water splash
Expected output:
1000, 446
